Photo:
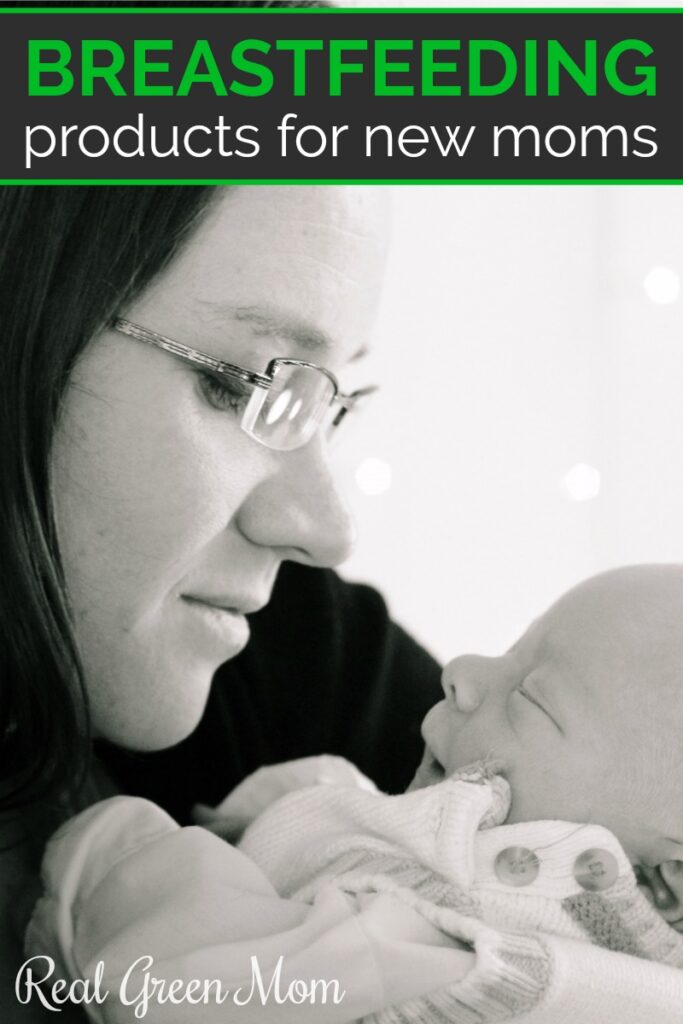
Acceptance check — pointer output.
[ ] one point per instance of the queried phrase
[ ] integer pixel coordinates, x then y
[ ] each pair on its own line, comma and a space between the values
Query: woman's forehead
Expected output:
307, 259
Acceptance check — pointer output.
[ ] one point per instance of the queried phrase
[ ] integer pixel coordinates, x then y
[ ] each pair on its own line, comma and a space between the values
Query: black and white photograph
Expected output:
341, 592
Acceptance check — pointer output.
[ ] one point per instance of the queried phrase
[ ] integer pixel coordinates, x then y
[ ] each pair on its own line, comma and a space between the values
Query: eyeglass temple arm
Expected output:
350, 399
189, 355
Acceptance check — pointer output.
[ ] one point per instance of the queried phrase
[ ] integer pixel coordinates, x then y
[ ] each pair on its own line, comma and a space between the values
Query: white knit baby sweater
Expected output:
445, 852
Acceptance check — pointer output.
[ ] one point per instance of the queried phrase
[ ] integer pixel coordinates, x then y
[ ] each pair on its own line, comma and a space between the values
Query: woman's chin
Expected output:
154, 726
157, 737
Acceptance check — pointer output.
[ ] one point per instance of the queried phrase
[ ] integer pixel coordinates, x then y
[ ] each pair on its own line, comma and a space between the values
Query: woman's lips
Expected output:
228, 626
238, 605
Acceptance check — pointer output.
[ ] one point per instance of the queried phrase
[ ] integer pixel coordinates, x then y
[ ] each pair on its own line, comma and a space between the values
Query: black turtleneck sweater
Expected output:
325, 671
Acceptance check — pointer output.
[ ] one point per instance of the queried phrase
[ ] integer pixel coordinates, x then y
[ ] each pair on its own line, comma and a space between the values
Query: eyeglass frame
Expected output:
264, 380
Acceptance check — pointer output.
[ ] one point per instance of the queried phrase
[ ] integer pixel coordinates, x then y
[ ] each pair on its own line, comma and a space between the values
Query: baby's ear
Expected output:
663, 884
672, 873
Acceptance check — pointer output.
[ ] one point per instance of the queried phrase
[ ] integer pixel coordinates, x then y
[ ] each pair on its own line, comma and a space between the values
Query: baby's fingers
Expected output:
227, 826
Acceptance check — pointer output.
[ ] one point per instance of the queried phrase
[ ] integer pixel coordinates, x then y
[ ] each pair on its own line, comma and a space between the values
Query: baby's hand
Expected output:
663, 886
266, 785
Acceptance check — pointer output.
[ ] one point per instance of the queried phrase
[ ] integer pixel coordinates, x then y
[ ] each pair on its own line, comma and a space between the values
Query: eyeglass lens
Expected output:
287, 415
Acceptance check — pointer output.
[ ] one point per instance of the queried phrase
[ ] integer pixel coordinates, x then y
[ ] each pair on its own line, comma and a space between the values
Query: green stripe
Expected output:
342, 181
341, 10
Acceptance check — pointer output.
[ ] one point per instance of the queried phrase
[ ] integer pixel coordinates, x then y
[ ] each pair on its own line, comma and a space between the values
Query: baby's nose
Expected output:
463, 681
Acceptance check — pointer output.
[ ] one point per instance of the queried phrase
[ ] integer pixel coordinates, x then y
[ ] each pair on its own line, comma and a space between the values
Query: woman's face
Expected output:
173, 522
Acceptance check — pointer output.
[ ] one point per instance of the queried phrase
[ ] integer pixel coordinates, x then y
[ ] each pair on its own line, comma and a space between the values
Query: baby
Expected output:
583, 717
549, 803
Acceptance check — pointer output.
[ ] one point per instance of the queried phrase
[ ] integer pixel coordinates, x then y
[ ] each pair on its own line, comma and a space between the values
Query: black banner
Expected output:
229, 95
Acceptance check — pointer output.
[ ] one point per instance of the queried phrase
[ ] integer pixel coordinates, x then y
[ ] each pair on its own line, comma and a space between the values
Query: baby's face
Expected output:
585, 715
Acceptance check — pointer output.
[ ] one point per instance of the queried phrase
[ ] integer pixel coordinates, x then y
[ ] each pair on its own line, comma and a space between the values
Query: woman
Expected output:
141, 523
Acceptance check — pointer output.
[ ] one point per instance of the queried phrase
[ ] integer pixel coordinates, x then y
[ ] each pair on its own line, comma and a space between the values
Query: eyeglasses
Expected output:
281, 408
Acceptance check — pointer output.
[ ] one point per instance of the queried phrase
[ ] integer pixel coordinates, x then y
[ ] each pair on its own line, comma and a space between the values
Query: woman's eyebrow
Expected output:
273, 323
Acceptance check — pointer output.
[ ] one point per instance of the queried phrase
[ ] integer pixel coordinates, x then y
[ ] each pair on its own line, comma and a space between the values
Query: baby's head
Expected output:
585, 716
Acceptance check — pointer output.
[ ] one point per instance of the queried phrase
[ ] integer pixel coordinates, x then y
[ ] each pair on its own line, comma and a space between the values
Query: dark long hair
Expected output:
69, 259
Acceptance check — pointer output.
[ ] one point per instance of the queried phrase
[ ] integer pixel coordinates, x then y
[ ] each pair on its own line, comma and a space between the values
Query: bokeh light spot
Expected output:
582, 482
373, 476
662, 285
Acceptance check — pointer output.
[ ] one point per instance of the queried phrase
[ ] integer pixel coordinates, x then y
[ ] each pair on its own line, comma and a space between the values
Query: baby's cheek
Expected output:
538, 792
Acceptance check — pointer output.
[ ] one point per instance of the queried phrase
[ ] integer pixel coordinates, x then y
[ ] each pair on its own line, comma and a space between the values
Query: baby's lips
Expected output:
428, 773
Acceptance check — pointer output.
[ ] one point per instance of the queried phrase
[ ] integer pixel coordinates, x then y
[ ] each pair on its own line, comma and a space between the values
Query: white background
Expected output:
518, 340
519, 337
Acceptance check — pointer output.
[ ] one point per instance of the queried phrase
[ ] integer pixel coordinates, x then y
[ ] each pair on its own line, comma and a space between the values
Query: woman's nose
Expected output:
465, 681
297, 509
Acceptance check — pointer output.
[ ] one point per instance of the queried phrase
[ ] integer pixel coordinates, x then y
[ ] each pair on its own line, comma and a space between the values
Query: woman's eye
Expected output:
224, 393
